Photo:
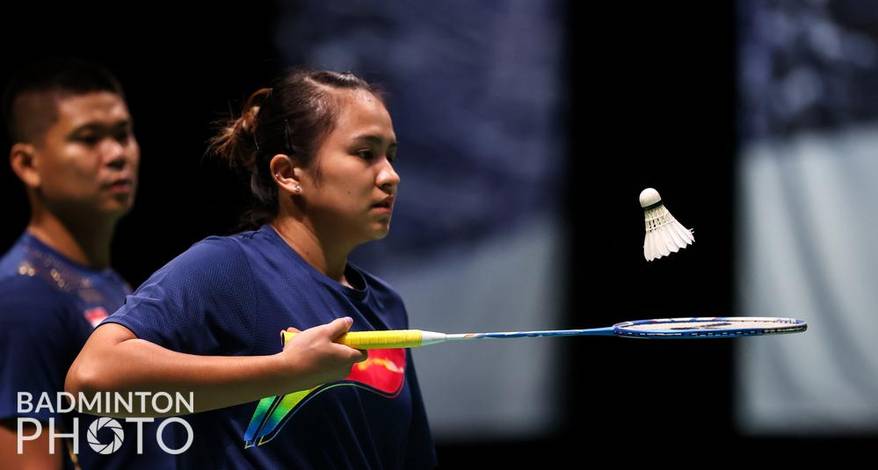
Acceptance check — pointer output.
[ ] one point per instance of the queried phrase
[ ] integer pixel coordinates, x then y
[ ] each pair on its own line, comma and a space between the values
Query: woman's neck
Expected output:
326, 257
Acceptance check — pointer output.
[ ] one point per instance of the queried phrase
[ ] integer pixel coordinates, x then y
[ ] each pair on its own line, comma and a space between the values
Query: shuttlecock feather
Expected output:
664, 235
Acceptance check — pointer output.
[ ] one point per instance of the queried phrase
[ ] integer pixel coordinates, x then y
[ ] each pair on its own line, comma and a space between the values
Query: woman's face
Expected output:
350, 188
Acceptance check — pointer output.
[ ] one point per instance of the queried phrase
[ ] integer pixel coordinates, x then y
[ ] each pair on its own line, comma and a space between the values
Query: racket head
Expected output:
708, 327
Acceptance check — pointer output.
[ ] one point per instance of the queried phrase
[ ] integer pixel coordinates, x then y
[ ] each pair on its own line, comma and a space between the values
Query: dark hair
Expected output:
292, 117
24, 100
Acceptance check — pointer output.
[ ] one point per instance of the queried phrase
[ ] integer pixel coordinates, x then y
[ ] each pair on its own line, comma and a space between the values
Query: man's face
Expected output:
87, 160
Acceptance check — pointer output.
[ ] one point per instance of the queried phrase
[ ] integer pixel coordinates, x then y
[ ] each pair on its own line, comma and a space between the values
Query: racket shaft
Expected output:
542, 333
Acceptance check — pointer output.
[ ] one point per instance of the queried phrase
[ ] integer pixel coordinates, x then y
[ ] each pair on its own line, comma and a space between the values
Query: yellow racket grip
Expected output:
383, 339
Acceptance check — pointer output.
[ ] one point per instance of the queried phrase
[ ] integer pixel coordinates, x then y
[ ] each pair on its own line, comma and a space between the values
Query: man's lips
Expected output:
120, 185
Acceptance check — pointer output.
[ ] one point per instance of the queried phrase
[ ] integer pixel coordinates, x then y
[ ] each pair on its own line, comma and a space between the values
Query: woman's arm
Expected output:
115, 360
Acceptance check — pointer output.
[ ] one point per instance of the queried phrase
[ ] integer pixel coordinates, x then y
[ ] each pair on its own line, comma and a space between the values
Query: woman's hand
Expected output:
314, 358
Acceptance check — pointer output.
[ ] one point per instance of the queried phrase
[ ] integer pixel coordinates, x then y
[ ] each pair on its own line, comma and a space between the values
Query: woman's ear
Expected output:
286, 173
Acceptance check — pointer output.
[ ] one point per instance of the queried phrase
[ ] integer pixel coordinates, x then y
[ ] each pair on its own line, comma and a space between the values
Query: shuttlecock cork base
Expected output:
664, 235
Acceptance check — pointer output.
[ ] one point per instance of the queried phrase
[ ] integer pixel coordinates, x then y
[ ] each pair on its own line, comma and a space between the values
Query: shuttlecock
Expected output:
664, 235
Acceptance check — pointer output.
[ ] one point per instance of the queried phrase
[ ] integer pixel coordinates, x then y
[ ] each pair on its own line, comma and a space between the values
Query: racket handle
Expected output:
383, 339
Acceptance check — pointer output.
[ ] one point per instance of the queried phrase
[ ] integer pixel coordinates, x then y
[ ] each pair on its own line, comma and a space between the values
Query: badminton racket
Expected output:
663, 328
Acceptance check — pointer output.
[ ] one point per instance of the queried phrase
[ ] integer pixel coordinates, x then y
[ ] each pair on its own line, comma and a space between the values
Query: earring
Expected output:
297, 189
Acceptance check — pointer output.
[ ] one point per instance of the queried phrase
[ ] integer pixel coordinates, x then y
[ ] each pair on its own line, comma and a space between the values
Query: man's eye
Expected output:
122, 136
366, 154
89, 139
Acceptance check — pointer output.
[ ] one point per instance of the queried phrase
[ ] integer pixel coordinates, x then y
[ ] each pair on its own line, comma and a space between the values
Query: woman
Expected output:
319, 148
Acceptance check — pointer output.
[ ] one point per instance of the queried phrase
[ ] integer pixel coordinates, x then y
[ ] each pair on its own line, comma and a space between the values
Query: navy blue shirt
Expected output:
232, 296
48, 308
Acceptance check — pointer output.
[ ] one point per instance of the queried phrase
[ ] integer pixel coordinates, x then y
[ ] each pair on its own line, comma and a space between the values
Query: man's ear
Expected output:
286, 173
23, 160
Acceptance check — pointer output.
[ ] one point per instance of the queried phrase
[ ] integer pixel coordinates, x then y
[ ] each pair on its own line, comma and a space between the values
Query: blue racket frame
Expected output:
785, 326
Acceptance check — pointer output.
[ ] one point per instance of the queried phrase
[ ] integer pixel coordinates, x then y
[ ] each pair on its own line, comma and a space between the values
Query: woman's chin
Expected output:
380, 230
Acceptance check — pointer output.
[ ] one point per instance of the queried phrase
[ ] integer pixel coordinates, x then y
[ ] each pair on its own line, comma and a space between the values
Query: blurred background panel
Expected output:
808, 167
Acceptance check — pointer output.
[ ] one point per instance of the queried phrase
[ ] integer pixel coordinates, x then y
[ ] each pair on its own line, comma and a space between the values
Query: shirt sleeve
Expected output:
195, 303
38, 341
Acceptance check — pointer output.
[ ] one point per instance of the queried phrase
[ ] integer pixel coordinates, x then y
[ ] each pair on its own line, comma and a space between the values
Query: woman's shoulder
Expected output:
214, 248
211, 256
233, 245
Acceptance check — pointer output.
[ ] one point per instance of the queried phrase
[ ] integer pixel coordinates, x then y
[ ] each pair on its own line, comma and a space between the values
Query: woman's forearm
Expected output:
215, 381
114, 360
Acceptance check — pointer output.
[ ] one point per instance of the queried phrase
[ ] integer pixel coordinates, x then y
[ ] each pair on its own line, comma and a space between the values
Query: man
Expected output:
74, 150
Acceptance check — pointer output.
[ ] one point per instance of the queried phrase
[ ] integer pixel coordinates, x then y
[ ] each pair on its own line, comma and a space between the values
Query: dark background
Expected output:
652, 102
